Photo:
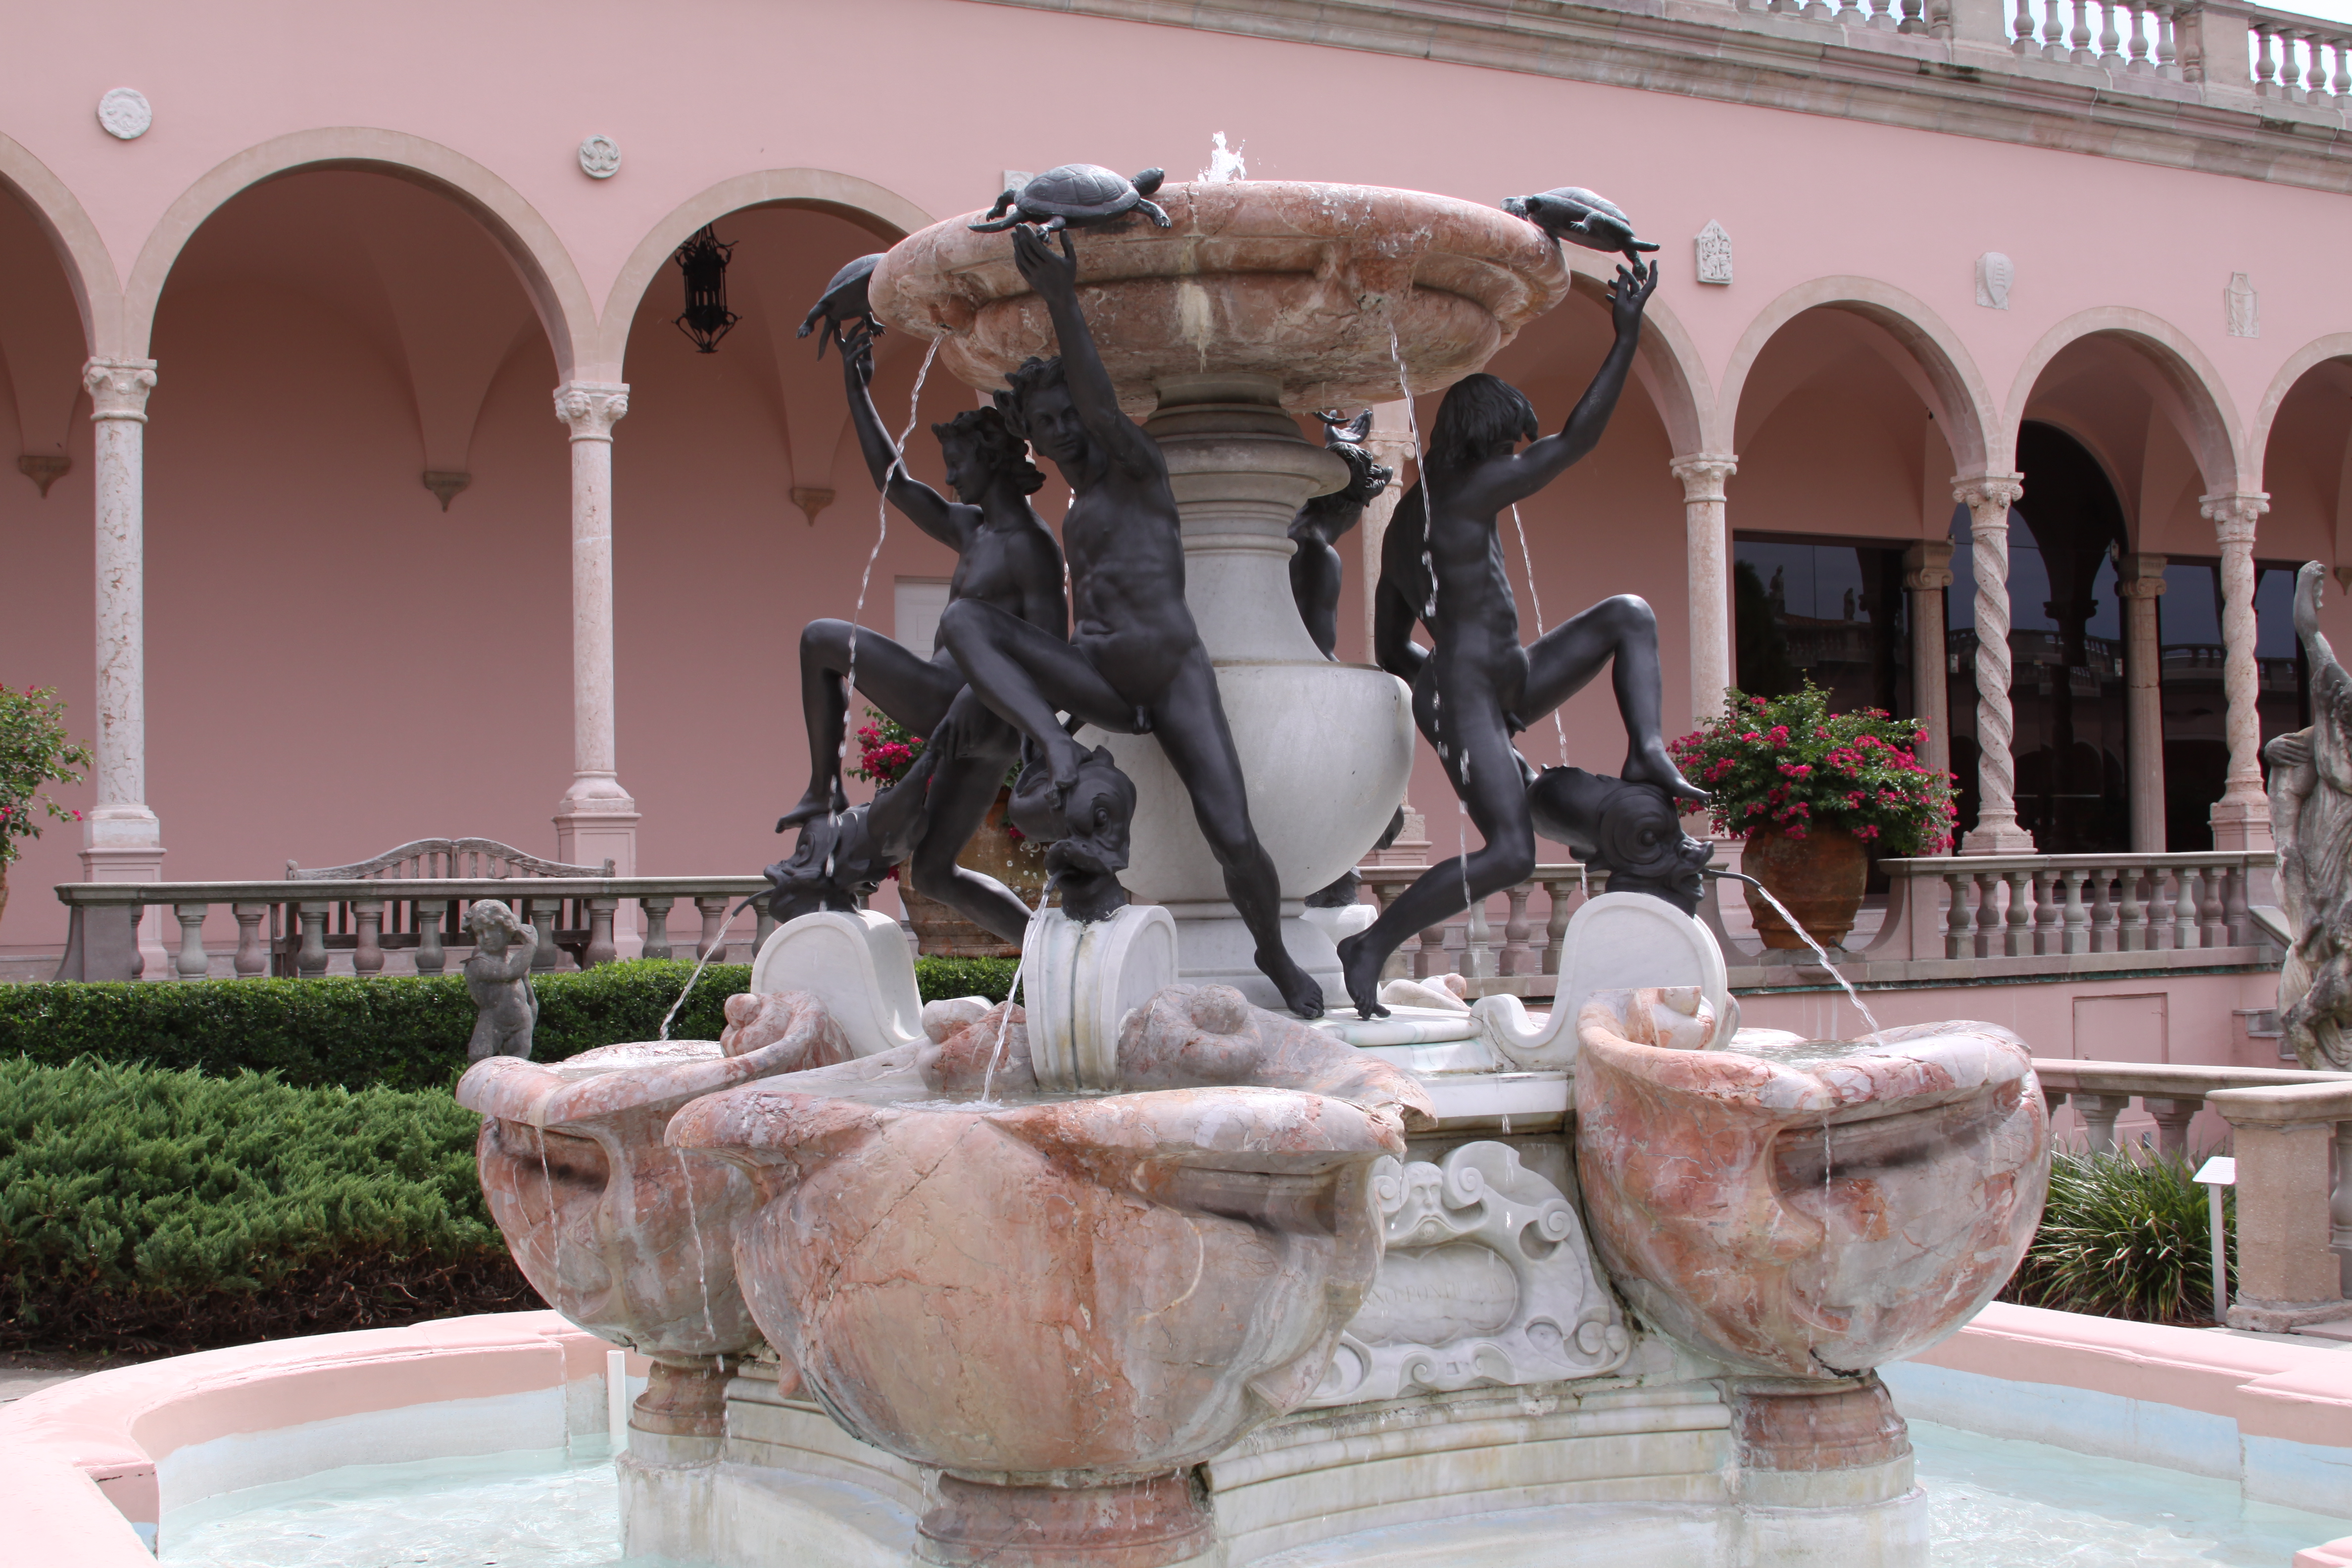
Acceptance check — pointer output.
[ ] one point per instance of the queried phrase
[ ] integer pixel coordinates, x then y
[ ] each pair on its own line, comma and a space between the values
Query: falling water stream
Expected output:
717, 942
1799, 927
694, 1223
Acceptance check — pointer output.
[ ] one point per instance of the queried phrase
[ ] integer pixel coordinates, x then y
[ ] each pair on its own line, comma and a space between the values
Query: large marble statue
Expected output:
1315, 570
1135, 663
1005, 558
1442, 566
2311, 816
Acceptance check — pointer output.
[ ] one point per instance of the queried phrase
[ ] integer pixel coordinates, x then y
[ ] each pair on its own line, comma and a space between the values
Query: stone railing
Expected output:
292, 927
2291, 1136
1522, 964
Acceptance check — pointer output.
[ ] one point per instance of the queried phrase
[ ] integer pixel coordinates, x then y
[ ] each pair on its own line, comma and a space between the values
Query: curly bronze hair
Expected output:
1033, 377
1001, 446
1478, 410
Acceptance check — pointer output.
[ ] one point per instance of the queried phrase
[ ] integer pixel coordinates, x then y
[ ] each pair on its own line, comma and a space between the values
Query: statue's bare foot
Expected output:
1299, 992
1362, 966
1655, 767
814, 805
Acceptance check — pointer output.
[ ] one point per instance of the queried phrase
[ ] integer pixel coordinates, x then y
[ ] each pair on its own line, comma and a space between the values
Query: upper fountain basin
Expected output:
1285, 284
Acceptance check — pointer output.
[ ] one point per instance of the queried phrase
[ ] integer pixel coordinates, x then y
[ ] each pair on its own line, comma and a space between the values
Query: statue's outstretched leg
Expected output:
1622, 633
1190, 723
1030, 677
962, 790
1485, 773
914, 692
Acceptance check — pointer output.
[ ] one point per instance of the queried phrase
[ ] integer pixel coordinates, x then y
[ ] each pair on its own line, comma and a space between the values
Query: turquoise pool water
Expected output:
1995, 1504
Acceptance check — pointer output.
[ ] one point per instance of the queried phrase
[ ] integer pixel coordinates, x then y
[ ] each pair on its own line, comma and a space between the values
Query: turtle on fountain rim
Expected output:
1581, 218
1075, 196
843, 300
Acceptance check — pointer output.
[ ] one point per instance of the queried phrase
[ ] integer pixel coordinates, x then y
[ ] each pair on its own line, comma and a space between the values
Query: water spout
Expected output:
1819, 951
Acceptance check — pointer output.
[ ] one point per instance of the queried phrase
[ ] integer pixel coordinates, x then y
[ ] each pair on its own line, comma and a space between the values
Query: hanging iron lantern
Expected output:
703, 260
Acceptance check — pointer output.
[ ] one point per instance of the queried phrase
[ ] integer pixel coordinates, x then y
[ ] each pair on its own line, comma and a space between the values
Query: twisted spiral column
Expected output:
1988, 497
2242, 817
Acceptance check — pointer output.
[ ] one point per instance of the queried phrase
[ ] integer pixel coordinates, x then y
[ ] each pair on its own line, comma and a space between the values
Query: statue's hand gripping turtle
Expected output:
1075, 196
1581, 218
845, 300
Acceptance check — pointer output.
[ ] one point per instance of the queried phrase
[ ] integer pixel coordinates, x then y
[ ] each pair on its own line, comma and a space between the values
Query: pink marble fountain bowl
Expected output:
1062, 1292
1815, 1210
1284, 282
629, 1238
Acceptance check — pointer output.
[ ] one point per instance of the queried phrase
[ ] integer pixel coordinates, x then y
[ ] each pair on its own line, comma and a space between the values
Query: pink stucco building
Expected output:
320, 340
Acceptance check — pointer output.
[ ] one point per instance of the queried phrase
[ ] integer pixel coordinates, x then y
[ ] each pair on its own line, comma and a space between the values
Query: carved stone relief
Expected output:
1713, 254
2245, 307
125, 114
600, 159
1486, 1278
1995, 273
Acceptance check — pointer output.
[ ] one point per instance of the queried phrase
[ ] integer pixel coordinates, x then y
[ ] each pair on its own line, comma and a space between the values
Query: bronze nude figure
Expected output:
1315, 570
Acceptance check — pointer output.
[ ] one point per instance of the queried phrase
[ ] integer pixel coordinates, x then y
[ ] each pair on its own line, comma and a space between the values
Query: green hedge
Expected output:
404, 1033
143, 1209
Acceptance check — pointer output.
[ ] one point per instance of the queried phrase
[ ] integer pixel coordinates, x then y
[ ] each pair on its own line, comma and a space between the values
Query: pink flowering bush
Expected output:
1789, 763
35, 749
886, 750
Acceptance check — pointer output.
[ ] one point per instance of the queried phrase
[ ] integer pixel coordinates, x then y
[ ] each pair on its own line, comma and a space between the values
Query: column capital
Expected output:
2140, 576
2233, 513
119, 388
1988, 497
1928, 565
1703, 474
592, 407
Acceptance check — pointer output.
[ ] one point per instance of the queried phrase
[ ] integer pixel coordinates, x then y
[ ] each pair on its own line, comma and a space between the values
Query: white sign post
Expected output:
2215, 1173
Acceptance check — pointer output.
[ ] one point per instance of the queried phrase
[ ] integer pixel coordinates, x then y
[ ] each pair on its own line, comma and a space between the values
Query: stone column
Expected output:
1988, 497
2139, 579
1707, 543
1390, 443
122, 841
2242, 817
1927, 573
596, 820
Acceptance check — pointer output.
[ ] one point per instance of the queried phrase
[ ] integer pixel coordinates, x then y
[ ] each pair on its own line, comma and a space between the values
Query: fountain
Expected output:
1143, 1273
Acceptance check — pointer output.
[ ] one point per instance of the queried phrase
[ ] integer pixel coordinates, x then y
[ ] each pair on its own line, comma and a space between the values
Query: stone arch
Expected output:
2210, 425
89, 267
1952, 387
882, 211
1667, 364
2319, 351
530, 244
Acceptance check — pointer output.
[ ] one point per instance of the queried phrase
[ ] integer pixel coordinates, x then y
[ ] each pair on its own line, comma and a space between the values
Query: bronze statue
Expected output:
1084, 829
1006, 558
2311, 816
1135, 663
843, 856
1315, 570
1442, 566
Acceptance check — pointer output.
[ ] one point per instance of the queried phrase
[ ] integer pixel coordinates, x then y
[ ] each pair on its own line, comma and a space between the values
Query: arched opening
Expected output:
356, 491
46, 501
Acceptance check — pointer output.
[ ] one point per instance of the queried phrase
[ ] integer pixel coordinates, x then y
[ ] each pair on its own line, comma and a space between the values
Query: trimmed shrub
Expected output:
142, 1209
406, 1033
2125, 1235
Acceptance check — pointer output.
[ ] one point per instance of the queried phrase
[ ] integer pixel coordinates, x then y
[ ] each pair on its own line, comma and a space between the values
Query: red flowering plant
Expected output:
35, 749
886, 750
1789, 763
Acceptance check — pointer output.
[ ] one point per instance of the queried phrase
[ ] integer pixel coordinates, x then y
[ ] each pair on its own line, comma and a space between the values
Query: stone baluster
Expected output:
2053, 30
2161, 906
2080, 53
656, 913
2105, 910
2172, 1120
2110, 41
1519, 956
1706, 548
2021, 28
2168, 46
2099, 1112
544, 915
1477, 942
190, 962
2186, 935
367, 952
2076, 936
310, 958
1955, 916
2140, 51
431, 916
2132, 929
1559, 890
597, 819
2265, 65
2017, 936
1988, 498
1431, 959
763, 926
1989, 914
2315, 73
1880, 17
2049, 936
714, 921
2212, 908
2237, 927
1915, 17
2339, 52
600, 934
252, 950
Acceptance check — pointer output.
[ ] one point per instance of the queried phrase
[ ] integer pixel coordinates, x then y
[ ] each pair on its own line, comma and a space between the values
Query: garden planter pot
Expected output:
1820, 877
1017, 863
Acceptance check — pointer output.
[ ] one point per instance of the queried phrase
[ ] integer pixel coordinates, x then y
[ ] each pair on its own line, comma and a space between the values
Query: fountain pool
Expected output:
1994, 1503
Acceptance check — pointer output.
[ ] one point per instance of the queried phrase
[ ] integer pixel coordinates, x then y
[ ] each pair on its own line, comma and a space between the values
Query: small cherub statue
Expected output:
499, 979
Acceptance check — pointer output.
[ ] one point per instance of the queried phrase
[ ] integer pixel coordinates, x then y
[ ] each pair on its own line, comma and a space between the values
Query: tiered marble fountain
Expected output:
1149, 1274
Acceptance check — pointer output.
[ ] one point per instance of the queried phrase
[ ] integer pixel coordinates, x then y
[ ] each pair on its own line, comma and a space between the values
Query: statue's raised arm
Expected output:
1094, 401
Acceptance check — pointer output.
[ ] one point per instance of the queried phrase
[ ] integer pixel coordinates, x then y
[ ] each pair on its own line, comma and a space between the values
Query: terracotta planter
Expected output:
1820, 877
1017, 863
